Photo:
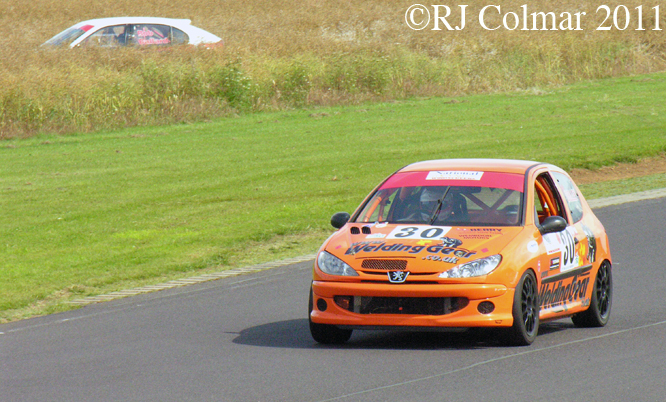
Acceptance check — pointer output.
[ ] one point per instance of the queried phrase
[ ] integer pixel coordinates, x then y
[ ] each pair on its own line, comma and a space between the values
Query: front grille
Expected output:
405, 305
411, 274
386, 265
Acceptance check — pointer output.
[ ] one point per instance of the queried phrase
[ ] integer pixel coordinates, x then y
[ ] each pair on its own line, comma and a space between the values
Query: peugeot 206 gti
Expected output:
464, 243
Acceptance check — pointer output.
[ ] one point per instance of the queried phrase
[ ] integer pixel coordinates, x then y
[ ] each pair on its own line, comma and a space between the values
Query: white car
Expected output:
133, 31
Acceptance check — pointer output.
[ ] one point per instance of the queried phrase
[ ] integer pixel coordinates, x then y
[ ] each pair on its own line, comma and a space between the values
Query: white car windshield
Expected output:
65, 37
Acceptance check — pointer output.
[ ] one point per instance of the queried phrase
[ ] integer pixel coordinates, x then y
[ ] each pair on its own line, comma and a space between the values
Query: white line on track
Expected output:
481, 363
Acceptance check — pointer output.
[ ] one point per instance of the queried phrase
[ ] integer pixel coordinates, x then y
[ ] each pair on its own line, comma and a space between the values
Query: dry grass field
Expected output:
294, 53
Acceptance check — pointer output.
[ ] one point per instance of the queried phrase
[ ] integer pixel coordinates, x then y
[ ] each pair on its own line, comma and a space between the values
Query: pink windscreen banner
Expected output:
509, 181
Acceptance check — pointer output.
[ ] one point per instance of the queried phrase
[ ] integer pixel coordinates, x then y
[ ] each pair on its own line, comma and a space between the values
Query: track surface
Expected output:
246, 338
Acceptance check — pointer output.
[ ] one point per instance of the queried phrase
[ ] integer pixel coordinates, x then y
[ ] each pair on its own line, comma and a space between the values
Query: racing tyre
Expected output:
525, 312
598, 313
325, 333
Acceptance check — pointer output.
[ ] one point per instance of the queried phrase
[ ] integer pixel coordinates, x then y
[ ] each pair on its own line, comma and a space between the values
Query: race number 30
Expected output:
418, 232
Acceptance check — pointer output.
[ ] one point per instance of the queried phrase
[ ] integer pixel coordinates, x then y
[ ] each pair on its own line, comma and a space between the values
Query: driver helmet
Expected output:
431, 195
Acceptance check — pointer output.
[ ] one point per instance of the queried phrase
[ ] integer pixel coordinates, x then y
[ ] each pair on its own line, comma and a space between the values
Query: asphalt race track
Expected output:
246, 338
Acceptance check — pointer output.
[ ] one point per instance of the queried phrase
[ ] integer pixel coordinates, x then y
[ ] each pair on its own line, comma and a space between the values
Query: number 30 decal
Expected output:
418, 232
570, 258
563, 242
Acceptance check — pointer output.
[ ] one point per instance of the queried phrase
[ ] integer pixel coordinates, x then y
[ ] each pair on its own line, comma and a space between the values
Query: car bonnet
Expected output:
421, 247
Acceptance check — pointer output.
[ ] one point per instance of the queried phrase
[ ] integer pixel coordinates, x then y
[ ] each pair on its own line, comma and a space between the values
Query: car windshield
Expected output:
66, 37
447, 198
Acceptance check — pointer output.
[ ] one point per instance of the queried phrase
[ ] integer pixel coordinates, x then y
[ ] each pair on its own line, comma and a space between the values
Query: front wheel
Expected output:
525, 312
325, 333
598, 313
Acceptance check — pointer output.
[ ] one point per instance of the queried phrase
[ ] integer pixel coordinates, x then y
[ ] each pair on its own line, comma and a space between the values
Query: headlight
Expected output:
482, 266
332, 265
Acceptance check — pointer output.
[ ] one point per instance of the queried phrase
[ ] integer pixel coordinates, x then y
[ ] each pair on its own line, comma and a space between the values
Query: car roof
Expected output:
487, 165
133, 20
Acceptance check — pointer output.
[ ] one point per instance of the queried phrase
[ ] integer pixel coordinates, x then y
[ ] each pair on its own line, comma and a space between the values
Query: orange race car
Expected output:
464, 243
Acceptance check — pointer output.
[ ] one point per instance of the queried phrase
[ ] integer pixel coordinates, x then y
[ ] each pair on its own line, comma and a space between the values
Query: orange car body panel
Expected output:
565, 264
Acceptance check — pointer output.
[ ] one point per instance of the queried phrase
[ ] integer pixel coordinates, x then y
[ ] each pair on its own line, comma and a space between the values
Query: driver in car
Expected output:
440, 204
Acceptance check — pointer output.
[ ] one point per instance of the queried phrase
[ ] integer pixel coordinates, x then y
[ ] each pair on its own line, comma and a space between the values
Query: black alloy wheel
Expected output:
525, 312
598, 313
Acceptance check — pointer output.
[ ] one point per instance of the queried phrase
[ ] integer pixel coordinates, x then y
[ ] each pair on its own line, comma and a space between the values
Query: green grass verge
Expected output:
92, 213
624, 186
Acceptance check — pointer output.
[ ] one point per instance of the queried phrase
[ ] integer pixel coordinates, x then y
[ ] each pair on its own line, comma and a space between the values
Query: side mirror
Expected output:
553, 224
339, 219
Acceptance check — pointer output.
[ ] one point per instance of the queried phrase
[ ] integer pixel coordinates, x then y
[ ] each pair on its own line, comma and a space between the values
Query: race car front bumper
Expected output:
363, 305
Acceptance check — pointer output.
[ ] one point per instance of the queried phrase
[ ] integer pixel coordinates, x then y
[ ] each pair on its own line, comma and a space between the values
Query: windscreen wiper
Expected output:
440, 201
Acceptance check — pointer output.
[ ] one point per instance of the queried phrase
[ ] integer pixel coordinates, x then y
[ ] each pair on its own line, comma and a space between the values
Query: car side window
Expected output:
546, 199
179, 37
570, 195
378, 210
112, 36
149, 35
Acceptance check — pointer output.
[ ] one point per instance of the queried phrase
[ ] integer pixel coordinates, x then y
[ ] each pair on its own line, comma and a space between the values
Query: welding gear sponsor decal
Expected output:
560, 290
458, 252
426, 236
373, 248
364, 247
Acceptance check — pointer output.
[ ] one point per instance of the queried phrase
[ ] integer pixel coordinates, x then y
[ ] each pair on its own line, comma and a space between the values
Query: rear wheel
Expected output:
325, 333
525, 312
598, 313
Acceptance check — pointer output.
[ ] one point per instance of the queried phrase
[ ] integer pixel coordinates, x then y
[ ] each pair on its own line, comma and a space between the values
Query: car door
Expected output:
584, 225
564, 266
